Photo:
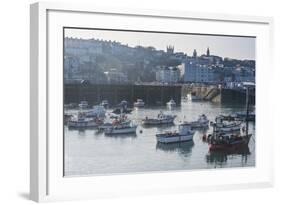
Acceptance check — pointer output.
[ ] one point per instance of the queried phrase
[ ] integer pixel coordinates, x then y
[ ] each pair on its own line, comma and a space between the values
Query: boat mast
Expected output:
247, 109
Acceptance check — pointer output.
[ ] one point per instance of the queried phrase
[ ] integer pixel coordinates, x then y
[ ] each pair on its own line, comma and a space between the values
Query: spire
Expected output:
208, 52
194, 53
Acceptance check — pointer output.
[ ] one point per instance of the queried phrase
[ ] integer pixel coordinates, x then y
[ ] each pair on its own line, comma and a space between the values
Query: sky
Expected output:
224, 46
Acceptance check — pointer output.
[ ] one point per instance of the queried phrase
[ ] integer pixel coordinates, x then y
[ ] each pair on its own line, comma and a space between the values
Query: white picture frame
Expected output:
46, 177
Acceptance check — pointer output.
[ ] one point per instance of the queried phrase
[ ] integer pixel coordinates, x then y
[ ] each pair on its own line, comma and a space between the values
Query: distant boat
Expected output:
83, 122
105, 103
202, 122
160, 120
193, 97
97, 111
171, 103
139, 103
123, 104
83, 104
184, 133
70, 106
124, 129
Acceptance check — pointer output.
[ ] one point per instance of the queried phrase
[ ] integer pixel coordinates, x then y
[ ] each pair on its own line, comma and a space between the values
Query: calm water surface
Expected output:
89, 152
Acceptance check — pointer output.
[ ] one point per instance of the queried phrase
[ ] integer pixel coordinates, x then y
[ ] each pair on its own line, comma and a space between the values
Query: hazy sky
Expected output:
225, 46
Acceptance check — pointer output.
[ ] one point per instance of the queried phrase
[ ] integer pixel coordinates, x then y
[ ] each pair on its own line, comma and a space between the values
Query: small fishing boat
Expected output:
70, 105
124, 129
83, 104
228, 142
119, 121
105, 104
201, 123
183, 134
139, 103
160, 120
97, 111
220, 140
83, 122
225, 127
171, 103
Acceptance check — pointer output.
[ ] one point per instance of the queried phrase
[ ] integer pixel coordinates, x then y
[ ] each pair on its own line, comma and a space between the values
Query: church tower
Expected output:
170, 49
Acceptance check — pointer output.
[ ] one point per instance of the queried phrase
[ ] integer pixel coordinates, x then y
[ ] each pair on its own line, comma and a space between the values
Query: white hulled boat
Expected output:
183, 134
119, 121
202, 122
171, 103
83, 122
105, 103
160, 120
83, 104
124, 129
139, 103
224, 127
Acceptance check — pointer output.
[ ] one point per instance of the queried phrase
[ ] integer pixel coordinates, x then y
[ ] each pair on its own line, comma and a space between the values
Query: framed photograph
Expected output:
130, 102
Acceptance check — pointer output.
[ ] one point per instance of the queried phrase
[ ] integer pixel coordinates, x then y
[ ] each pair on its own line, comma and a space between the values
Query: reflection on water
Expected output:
122, 136
182, 148
219, 158
89, 151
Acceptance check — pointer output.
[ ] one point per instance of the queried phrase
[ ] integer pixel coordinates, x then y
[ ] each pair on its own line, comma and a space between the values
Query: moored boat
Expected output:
202, 122
171, 103
160, 120
70, 106
139, 103
105, 104
124, 129
225, 127
120, 121
183, 134
81, 122
228, 142
83, 104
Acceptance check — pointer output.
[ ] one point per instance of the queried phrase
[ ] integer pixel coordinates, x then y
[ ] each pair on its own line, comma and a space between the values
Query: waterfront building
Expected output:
168, 75
197, 72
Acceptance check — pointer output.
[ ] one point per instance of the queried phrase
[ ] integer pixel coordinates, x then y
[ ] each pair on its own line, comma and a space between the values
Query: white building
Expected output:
198, 73
168, 75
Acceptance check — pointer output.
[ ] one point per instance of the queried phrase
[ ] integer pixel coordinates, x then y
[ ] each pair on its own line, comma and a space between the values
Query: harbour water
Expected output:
89, 152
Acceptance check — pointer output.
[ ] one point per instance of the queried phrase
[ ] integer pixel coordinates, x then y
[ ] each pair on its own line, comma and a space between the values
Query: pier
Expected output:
94, 94
218, 94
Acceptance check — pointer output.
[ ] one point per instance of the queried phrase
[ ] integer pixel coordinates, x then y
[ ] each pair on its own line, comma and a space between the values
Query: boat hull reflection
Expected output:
221, 157
184, 148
